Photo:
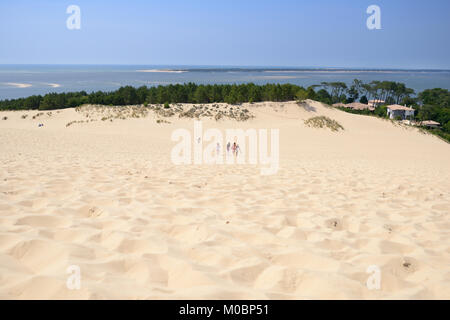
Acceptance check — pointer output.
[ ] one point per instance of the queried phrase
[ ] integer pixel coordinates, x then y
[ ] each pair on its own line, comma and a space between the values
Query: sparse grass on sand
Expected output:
162, 121
324, 122
214, 111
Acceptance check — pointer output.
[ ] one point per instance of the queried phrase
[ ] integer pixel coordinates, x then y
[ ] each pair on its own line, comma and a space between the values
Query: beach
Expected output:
96, 188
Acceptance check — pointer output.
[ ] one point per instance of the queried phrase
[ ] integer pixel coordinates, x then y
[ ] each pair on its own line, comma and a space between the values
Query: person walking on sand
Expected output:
228, 148
238, 149
218, 148
234, 148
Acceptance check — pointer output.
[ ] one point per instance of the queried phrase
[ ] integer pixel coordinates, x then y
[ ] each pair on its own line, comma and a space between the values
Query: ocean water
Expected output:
24, 80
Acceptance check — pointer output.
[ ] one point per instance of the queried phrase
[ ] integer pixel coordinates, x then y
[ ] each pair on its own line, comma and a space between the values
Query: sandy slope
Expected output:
105, 196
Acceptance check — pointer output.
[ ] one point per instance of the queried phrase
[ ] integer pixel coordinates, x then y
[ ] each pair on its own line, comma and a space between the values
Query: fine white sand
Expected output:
18, 85
54, 85
104, 196
161, 71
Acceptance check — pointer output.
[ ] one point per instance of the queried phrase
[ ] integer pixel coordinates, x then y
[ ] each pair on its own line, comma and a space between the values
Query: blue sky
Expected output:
319, 33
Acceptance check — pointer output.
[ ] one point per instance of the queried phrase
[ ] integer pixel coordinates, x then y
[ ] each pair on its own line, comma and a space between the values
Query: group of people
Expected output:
234, 148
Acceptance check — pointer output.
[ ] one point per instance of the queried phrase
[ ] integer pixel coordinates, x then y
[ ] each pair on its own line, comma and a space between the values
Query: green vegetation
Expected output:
431, 104
170, 94
389, 91
324, 122
363, 112
327, 92
434, 104
440, 133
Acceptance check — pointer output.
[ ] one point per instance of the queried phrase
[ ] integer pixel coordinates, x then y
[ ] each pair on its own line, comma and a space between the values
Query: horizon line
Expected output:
193, 66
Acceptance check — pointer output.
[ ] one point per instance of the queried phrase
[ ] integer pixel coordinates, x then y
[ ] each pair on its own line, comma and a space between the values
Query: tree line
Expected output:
389, 91
327, 92
431, 104
178, 93
434, 104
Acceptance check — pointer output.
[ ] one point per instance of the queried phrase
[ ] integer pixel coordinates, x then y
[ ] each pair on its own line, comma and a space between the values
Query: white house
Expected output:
403, 112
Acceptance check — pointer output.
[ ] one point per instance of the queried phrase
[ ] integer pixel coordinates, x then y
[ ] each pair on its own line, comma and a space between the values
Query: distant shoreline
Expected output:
28, 85
161, 71
18, 85
198, 68
292, 70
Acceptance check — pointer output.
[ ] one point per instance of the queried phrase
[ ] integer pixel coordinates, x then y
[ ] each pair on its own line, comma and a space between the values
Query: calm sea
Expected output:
25, 80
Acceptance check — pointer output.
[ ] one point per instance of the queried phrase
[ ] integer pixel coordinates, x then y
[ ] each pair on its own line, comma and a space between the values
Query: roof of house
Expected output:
359, 106
339, 104
429, 123
398, 107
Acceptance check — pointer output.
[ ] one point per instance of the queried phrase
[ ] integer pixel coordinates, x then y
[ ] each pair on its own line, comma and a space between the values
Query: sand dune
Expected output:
161, 71
54, 85
104, 195
18, 85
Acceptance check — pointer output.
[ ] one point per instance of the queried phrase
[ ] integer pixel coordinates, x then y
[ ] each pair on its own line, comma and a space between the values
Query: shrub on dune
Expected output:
324, 122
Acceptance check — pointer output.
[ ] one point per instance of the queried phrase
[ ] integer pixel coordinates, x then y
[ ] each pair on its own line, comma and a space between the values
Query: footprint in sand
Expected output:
335, 224
388, 228
10, 193
94, 212
200, 185
409, 265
